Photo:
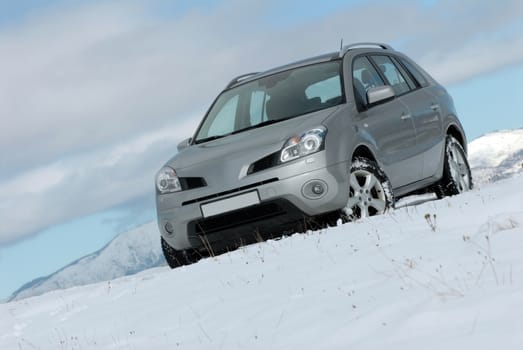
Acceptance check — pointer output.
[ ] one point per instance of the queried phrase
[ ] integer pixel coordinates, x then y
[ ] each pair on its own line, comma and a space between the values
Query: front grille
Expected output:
238, 218
224, 193
231, 230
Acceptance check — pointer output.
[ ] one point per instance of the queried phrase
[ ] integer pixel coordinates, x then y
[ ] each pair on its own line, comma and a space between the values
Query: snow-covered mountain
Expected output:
127, 254
494, 156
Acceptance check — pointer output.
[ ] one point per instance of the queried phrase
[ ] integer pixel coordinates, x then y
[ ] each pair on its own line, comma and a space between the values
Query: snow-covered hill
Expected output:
128, 253
496, 155
445, 274
492, 157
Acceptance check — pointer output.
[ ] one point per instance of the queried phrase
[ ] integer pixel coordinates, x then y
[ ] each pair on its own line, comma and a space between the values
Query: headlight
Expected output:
298, 146
167, 181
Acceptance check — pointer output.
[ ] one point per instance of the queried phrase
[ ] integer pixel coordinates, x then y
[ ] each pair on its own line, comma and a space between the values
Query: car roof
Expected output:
336, 55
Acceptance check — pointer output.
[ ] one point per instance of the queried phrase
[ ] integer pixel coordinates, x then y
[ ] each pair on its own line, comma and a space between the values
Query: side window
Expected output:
224, 120
393, 75
410, 82
422, 81
364, 77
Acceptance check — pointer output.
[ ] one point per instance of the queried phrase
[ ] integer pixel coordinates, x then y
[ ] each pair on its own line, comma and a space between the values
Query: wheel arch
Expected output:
363, 151
454, 131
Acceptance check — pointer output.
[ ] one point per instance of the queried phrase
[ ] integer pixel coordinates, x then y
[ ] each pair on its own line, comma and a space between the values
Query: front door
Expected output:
389, 126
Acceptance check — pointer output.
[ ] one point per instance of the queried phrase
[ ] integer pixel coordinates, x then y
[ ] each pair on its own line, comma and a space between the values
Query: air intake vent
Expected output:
264, 163
189, 183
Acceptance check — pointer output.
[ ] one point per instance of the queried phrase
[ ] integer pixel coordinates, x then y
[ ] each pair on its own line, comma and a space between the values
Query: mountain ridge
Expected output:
496, 155
126, 254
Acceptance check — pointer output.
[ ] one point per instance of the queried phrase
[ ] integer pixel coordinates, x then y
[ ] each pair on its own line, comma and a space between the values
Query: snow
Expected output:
431, 274
442, 274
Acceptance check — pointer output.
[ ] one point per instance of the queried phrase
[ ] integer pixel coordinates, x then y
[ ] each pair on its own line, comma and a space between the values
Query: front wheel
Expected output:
370, 192
457, 177
176, 258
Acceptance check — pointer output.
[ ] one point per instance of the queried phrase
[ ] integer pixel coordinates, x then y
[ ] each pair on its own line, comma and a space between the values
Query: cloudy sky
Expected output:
95, 95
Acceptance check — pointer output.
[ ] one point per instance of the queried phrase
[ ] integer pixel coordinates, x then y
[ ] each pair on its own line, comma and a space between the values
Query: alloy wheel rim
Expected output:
459, 170
366, 194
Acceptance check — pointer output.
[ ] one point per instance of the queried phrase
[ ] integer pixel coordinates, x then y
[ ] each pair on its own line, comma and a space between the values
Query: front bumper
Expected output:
285, 198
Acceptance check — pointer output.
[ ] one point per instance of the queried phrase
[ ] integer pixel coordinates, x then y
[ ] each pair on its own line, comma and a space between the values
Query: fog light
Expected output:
169, 228
317, 188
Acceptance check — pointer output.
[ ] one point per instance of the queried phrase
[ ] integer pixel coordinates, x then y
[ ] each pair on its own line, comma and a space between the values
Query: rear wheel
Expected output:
457, 177
370, 192
176, 258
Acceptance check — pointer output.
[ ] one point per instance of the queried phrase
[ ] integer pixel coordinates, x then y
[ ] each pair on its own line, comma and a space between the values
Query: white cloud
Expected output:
465, 62
95, 98
86, 183
140, 145
33, 182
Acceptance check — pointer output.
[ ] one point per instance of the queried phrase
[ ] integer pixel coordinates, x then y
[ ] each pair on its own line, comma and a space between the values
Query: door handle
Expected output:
405, 116
434, 106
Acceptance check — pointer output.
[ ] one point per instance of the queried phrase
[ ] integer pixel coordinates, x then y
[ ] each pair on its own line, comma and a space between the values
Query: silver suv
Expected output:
335, 136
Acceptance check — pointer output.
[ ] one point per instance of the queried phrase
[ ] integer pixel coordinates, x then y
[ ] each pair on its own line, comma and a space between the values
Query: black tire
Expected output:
176, 258
457, 177
370, 191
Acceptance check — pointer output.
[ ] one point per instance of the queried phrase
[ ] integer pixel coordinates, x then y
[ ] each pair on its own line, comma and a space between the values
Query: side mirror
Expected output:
380, 94
184, 144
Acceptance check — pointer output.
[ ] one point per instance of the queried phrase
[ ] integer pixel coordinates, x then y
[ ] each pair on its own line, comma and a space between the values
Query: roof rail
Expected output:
346, 48
240, 78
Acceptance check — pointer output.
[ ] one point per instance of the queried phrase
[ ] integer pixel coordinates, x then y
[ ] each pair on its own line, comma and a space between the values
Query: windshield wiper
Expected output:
210, 138
259, 125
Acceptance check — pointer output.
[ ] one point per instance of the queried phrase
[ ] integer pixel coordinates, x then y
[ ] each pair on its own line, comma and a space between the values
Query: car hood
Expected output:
254, 143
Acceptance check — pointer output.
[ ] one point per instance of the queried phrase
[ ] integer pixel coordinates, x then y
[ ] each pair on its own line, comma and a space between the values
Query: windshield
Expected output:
273, 98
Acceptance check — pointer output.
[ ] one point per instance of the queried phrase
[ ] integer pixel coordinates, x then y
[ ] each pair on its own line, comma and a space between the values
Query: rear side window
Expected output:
404, 73
392, 74
415, 72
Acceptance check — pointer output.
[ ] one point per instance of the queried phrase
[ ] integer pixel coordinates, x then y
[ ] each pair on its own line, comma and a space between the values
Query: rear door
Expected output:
427, 118
423, 108
388, 126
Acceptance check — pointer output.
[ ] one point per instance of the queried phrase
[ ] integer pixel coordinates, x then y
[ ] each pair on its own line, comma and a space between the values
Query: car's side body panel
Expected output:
425, 112
393, 138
